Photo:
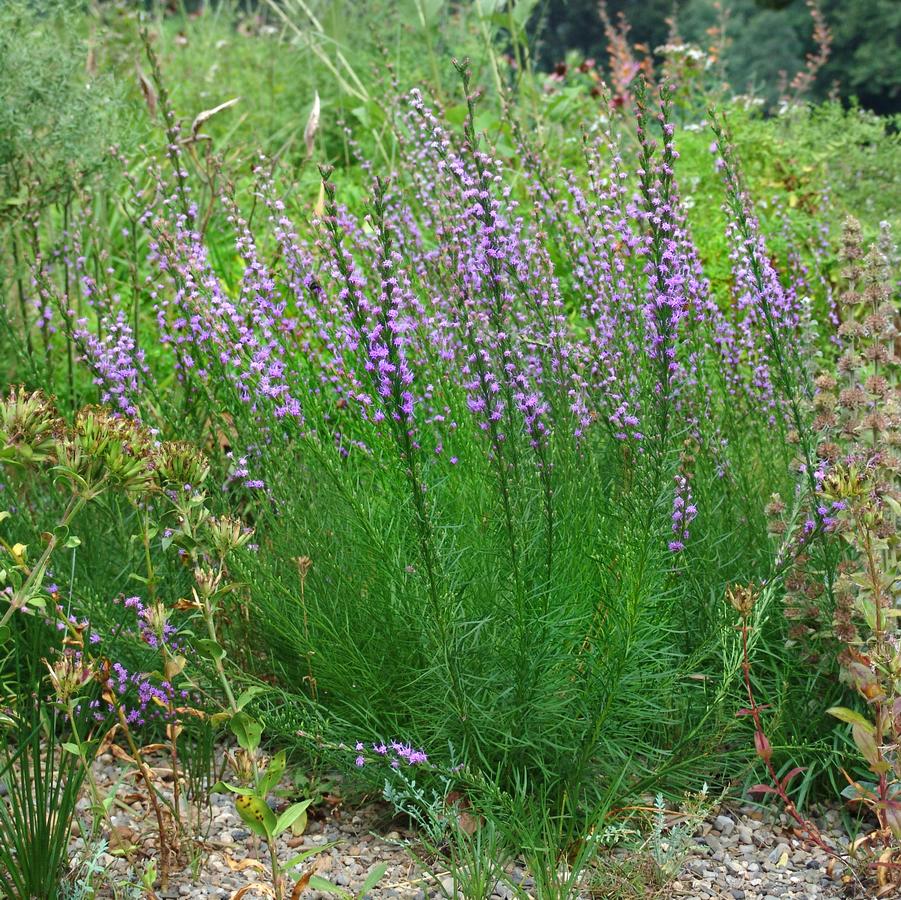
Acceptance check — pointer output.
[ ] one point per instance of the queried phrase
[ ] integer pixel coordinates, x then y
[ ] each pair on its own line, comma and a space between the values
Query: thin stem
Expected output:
99, 805
151, 792
220, 668
765, 753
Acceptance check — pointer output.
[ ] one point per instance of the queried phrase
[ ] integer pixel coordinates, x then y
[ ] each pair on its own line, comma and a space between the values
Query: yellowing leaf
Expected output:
852, 717
319, 208
239, 865
256, 814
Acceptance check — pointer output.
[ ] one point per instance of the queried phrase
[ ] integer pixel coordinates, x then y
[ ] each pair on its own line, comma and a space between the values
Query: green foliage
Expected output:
43, 784
57, 122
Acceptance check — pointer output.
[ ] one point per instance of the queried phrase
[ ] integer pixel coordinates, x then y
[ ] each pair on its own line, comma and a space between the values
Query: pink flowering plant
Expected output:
505, 432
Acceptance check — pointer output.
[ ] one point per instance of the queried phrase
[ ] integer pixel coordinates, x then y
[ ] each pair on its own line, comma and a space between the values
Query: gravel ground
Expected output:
736, 854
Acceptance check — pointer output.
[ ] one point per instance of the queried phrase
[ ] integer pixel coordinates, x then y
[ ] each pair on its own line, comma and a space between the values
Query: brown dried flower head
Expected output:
742, 597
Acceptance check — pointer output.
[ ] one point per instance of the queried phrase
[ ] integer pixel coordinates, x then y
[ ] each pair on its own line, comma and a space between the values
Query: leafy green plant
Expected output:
255, 811
43, 783
258, 777
860, 418
853, 500
102, 459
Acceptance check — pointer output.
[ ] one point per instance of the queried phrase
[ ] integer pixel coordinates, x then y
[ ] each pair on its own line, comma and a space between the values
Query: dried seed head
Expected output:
304, 564
852, 240
853, 398
878, 386
206, 580
69, 673
742, 597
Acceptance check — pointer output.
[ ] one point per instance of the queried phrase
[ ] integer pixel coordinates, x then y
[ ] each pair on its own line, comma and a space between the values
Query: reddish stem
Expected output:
763, 750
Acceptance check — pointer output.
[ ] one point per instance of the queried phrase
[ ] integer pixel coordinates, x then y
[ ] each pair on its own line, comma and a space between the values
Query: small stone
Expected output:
745, 835
723, 824
713, 843
738, 894
778, 852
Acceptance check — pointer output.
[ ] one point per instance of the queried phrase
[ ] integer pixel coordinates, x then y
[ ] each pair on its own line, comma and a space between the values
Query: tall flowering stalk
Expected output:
860, 422
375, 334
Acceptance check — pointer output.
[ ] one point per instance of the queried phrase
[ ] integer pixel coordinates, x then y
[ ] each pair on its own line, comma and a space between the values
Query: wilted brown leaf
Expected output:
208, 114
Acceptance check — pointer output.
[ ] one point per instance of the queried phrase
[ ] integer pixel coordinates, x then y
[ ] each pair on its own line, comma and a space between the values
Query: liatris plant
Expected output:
515, 437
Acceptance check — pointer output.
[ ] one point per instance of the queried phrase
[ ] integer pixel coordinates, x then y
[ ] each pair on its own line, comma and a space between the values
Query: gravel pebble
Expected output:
736, 854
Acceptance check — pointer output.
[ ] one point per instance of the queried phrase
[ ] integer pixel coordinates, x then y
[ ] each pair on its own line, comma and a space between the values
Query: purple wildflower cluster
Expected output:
143, 697
455, 310
684, 512
396, 752
152, 629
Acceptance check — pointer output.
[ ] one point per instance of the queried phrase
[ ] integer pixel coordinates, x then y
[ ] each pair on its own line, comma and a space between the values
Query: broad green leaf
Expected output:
248, 695
487, 8
290, 816
860, 790
210, 649
247, 730
256, 814
306, 854
868, 609
522, 10
320, 884
852, 717
220, 787
301, 857
300, 826
866, 743
273, 773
